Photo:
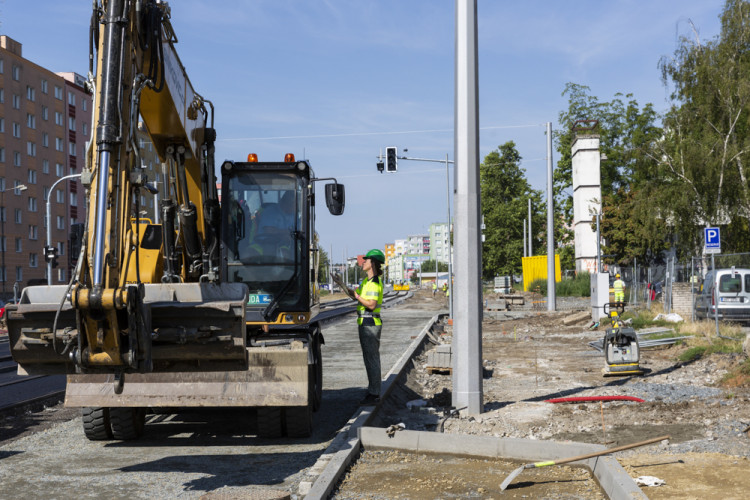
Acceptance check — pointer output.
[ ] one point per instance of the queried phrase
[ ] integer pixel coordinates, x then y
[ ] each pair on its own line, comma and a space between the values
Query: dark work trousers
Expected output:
369, 339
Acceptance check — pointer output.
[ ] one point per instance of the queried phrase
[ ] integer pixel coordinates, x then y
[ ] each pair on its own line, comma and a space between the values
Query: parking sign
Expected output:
712, 239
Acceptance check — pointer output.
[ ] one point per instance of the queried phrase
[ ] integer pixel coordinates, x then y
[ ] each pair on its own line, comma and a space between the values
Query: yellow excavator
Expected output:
213, 307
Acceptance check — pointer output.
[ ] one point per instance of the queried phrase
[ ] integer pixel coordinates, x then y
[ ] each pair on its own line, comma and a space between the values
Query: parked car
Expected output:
733, 295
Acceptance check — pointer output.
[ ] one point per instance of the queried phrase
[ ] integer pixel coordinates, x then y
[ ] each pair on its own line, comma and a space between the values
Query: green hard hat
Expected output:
376, 254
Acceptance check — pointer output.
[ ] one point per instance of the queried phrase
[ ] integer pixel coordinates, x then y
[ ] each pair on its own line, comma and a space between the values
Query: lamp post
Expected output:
448, 200
20, 187
49, 223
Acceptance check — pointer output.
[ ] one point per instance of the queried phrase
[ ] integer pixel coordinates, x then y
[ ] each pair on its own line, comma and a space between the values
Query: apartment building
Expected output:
45, 124
439, 242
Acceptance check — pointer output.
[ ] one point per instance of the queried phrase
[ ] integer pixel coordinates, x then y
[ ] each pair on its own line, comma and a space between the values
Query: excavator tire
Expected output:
298, 421
127, 423
269, 422
96, 423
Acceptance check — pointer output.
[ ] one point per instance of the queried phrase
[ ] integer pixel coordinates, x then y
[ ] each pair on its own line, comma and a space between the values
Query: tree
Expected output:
428, 266
704, 155
626, 134
505, 194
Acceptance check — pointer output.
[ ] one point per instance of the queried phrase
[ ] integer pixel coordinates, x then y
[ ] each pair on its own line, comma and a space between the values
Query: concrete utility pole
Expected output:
551, 292
467, 334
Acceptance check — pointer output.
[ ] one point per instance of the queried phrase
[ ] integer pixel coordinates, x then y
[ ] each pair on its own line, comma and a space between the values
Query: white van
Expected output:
733, 296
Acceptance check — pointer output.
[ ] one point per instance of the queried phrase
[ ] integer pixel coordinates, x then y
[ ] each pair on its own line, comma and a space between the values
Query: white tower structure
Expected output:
587, 195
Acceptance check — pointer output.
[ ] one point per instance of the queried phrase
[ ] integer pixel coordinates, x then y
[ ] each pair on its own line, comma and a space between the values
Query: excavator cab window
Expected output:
265, 241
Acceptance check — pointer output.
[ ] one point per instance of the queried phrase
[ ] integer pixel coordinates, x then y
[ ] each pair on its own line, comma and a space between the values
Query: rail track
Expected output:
21, 392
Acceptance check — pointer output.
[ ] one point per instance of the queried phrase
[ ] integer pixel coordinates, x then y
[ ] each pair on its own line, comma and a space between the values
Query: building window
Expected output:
44, 87
30, 93
33, 233
45, 113
16, 101
32, 176
19, 273
45, 166
61, 275
85, 129
45, 141
72, 148
19, 216
2, 125
31, 148
2, 214
16, 72
16, 130
71, 123
30, 120
59, 169
33, 260
33, 204
1, 66
16, 158
60, 222
2, 95
83, 103
73, 200
2, 155
60, 248
71, 98
58, 93
60, 196
58, 118
19, 245
59, 144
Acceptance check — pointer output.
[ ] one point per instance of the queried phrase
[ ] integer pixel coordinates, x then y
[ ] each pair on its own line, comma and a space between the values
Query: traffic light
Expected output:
381, 166
50, 255
391, 159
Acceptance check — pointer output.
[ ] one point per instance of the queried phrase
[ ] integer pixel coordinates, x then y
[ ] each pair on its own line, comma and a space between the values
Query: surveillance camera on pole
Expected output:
391, 159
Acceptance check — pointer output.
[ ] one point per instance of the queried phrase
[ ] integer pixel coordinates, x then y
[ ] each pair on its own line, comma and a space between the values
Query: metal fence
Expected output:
656, 282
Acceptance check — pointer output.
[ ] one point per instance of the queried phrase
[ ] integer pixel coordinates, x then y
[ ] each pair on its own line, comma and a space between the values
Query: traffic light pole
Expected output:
49, 224
448, 204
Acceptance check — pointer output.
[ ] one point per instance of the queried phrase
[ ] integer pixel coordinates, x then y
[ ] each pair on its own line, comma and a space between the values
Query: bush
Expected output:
579, 286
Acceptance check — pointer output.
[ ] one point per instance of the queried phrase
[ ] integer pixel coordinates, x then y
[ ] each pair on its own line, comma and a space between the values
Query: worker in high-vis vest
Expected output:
434, 287
369, 296
619, 287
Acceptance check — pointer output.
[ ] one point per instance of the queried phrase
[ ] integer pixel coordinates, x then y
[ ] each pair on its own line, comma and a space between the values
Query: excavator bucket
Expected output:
188, 326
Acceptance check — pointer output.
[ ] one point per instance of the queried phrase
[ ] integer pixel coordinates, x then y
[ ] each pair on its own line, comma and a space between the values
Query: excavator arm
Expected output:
144, 297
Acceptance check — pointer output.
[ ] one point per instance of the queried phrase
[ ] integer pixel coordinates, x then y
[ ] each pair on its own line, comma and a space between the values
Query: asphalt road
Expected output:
186, 455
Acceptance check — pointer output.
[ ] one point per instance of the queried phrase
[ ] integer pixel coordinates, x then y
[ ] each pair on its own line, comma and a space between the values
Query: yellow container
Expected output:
535, 268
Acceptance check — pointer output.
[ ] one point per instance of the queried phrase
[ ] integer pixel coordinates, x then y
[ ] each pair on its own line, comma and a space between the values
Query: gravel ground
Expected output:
530, 356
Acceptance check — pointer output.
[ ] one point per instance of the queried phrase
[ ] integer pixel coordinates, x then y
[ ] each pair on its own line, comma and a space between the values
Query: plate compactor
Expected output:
621, 349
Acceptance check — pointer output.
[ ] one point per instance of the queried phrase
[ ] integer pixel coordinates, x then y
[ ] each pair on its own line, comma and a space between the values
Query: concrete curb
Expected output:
613, 479
346, 446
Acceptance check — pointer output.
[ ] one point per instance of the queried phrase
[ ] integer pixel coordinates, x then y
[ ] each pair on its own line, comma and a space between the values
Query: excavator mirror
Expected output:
335, 198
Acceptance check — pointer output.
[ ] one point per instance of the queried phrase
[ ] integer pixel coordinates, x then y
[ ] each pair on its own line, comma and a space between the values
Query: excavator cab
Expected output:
268, 239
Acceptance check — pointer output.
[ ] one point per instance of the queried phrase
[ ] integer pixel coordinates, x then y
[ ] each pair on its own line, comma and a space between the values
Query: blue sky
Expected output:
336, 81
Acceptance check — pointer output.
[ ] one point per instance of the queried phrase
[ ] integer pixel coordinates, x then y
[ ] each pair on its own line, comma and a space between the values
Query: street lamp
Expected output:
20, 187
48, 248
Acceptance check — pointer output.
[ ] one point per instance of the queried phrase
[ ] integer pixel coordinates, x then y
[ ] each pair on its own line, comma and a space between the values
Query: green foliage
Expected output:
626, 132
580, 286
428, 266
693, 354
505, 195
322, 265
704, 157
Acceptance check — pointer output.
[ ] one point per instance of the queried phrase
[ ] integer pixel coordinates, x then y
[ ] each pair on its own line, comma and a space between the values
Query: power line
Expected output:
361, 134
